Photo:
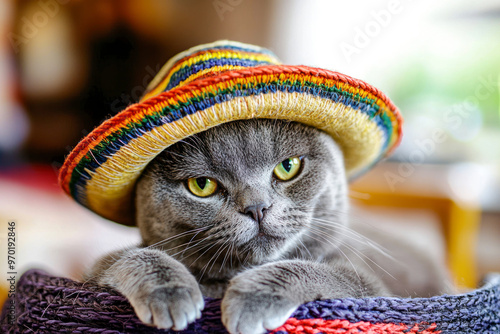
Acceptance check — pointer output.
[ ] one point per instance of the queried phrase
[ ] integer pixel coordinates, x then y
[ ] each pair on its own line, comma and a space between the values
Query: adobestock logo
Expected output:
224, 6
452, 120
363, 36
30, 26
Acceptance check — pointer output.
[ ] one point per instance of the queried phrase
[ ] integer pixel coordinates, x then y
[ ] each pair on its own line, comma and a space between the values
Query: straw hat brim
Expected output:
101, 172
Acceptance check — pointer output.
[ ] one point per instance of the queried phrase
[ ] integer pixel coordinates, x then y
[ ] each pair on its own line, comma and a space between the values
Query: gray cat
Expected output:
254, 212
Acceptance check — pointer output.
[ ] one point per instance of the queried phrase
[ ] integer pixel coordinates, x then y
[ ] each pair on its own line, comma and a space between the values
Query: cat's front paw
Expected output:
169, 307
254, 312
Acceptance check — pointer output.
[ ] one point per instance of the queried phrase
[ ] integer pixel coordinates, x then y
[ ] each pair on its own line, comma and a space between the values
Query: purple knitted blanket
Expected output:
48, 304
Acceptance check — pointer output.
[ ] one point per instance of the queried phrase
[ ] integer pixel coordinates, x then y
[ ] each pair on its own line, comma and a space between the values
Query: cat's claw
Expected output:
254, 313
167, 307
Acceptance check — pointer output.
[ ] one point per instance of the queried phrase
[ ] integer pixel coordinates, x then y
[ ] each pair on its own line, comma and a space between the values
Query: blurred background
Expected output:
66, 65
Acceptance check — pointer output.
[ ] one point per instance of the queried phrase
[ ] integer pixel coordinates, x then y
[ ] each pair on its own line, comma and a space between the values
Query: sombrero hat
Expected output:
217, 83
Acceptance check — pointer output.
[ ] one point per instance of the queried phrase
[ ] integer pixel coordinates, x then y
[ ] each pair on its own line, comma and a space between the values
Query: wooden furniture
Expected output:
430, 187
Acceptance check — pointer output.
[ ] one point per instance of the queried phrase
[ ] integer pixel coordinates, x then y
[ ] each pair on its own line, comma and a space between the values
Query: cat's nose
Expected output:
257, 212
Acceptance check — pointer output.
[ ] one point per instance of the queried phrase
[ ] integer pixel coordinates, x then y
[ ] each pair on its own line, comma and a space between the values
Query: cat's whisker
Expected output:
201, 255
186, 244
191, 240
197, 250
237, 256
245, 260
159, 243
334, 242
206, 239
188, 140
226, 256
222, 248
352, 215
213, 259
355, 236
231, 255
198, 242
177, 154
332, 226
350, 234
345, 255
304, 247
358, 253
335, 246
355, 251
215, 256
192, 246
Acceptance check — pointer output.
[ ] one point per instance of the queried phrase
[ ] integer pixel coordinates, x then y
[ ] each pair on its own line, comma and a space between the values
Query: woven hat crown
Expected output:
218, 83
202, 62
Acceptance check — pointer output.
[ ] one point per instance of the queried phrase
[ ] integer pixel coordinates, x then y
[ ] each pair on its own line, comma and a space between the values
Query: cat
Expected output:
254, 212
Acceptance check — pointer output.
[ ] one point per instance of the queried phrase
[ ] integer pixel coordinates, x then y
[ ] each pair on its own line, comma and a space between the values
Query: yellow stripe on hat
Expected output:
227, 54
110, 189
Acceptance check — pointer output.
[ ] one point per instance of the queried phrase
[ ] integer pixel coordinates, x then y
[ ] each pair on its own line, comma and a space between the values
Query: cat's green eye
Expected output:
202, 186
288, 169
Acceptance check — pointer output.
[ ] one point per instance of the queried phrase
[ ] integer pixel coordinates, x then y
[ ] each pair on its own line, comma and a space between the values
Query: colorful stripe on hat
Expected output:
199, 62
101, 171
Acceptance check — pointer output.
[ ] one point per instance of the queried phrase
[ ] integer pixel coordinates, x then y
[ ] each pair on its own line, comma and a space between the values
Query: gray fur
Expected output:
302, 250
